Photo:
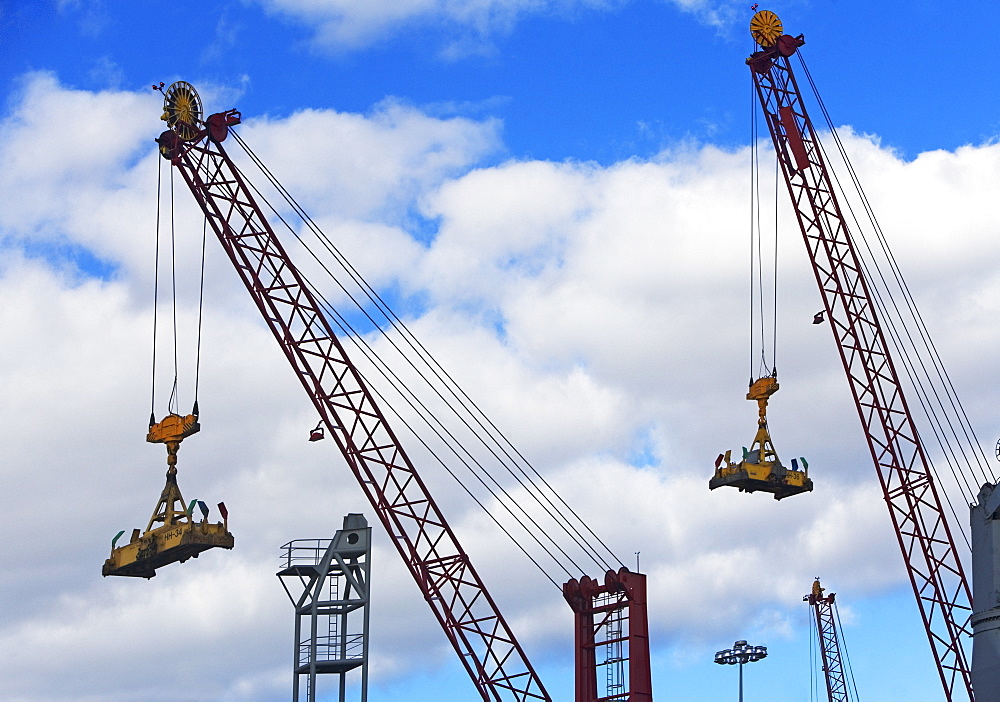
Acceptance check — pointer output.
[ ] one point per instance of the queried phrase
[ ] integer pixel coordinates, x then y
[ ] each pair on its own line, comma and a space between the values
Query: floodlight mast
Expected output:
442, 570
925, 539
740, 654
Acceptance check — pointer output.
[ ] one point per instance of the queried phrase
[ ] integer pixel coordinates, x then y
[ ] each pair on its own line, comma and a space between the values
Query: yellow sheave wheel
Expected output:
765, 28
182, 109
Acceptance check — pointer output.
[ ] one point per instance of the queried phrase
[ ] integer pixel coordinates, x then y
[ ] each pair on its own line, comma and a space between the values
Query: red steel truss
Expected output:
932, 562
441, 568
611, 617
829, 643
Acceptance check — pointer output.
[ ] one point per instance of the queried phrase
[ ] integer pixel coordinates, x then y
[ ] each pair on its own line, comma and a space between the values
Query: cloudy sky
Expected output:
556, 194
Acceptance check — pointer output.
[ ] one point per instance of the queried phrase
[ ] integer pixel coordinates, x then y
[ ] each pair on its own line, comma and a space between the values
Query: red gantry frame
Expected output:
928, 547
611, 630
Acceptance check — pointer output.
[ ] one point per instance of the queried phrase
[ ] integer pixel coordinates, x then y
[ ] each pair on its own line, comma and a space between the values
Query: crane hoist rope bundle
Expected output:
760, 469
172, 534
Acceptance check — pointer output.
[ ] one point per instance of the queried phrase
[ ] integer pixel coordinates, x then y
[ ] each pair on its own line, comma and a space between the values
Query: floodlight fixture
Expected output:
741, 653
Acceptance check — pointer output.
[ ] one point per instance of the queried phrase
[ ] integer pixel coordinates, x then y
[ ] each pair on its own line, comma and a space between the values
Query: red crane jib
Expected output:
467, 613
915, 508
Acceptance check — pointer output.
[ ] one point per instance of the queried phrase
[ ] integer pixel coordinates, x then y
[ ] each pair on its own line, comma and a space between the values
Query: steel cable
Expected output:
953, 400
848, 669
201, 306
757, 296
156, 291
904, 358
424, 412
954, 442
172, 402
476, 414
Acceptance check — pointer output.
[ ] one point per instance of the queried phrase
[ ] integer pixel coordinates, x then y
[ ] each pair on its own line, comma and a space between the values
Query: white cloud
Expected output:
467, 26
598, 314
341, 24
415, 153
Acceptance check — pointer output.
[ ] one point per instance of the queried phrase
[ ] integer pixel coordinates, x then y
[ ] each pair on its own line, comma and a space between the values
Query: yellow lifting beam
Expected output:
760, 469
179, 536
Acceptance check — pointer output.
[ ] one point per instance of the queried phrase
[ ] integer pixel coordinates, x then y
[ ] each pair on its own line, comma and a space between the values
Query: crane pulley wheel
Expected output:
182, 110
765, 28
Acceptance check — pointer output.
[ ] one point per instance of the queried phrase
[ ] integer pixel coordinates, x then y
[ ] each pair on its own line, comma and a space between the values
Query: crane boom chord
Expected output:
442, 570
925, 539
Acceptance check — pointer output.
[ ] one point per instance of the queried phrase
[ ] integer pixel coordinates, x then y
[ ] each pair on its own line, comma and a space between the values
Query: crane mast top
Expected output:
830, 644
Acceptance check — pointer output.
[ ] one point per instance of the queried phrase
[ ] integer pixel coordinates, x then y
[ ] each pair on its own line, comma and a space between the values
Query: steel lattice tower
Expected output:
328, 584
829, 642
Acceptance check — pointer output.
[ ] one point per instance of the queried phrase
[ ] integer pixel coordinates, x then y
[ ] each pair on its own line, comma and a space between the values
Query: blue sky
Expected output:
558, 188
596, 80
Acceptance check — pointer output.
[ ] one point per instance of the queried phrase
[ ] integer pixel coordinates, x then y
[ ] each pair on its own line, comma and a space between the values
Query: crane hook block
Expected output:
760, 469
173, 427
172, 534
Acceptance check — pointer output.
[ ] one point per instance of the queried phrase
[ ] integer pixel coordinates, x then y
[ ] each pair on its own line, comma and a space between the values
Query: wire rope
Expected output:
419, 407
172, 402
201, 307
753, 222
904, 358
950, 406
942, 408
813, 635
156, 292
758, 308
413, 401
435, 367
369, 354
478, 416
847, 668
774, 269
903, 355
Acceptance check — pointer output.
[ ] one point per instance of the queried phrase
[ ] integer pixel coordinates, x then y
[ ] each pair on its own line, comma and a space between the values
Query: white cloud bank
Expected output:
598, 315
468, 25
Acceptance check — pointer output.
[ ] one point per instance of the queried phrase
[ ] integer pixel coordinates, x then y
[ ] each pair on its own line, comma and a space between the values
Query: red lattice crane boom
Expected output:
925, 539
442, 570
829, 643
